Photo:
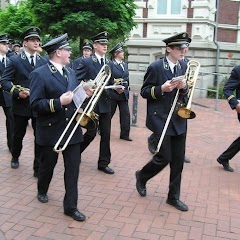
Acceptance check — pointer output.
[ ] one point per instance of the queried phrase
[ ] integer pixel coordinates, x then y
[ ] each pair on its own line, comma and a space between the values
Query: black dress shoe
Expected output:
126, 138
178, 204
43, 198
141, 187
225, 164
186, 160
76, 215
151, 146
107, 170
14, 163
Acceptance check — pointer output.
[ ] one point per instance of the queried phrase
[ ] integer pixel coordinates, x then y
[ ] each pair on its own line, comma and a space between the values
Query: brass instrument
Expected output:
183, 111
191, 75
20, 88
87, 116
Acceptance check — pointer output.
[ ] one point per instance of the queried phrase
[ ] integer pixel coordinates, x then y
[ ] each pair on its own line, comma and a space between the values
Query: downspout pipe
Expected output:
216, 43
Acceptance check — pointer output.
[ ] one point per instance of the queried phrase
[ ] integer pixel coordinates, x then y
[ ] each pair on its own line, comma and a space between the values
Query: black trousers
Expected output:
9, 126
124, 115
231, 151
72, 159
172, 152
20, 128
105, 131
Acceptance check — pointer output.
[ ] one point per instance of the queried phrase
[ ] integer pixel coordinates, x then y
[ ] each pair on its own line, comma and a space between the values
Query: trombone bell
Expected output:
88, 121
186, 113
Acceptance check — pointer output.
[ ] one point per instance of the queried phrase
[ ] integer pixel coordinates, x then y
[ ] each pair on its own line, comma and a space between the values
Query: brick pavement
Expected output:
113, 208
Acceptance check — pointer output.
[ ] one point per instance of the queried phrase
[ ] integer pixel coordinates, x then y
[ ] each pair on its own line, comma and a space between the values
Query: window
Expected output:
169, 7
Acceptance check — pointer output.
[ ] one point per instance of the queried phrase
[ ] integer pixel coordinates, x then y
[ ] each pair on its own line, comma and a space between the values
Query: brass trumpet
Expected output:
87, 115
183, 111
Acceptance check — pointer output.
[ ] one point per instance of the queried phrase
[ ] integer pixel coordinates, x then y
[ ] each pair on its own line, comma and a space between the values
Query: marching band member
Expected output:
15, 80
52, 98
5, 97
119, 96
160, 91
87, 50
231, 91
88, 69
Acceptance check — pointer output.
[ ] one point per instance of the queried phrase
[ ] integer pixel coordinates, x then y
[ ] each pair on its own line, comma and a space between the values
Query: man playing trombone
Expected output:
51, 97
88, 69
160, 90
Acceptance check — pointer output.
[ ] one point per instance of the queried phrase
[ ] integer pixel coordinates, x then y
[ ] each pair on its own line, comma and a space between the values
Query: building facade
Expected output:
214, 26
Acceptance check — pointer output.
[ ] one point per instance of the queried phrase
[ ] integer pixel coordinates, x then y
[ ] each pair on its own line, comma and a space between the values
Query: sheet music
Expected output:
114, 87
79, 95
178, 79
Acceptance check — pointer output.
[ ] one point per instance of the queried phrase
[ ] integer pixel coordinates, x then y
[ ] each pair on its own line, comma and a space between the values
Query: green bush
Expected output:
221, 95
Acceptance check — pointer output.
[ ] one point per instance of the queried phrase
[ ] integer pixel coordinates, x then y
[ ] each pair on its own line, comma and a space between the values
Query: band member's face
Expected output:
176, 53
31, 44
3, 48
100, 48
87, 52
64, 55
120, 55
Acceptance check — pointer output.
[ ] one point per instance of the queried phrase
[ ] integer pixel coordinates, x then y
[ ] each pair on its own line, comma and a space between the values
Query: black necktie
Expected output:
65, 73
32, 62
102, 62
175, 71
3, 61
121, 64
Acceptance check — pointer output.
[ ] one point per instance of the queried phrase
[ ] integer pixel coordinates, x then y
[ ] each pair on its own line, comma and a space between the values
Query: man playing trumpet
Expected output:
159, 89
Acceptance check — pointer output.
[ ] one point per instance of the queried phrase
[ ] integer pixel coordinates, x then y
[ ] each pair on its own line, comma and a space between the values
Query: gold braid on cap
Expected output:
153, 92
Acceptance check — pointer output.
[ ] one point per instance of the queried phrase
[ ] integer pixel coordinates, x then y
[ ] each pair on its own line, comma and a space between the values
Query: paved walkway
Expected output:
113, 208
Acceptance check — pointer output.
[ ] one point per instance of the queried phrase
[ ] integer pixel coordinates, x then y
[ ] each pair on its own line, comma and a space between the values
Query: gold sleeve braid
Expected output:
153, 92
51, 105
230, 97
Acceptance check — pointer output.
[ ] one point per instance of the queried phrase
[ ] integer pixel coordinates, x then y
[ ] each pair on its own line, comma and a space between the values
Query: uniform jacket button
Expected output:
66, 119
49, 124
66, 109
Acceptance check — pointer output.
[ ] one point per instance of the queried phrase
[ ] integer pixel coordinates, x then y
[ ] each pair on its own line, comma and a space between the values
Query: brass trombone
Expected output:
183, 111
87, 115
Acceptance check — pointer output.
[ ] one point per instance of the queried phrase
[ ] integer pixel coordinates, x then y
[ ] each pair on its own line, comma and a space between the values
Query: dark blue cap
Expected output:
117, 48
179, 40
101, 37
4, 38
60, 42
87, 45
32, 32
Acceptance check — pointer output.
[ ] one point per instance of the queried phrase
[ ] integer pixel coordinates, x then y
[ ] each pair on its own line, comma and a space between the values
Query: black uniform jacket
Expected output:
17, 73
118, 72
47, 85
232, 88
5, 97
88, 69
158, 104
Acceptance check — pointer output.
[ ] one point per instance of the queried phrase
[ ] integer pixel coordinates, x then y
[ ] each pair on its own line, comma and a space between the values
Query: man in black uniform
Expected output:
151, 139
5, 97
88, 69
87, 49
119, 96
232, 92
51, 97
15, 80
160, 91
